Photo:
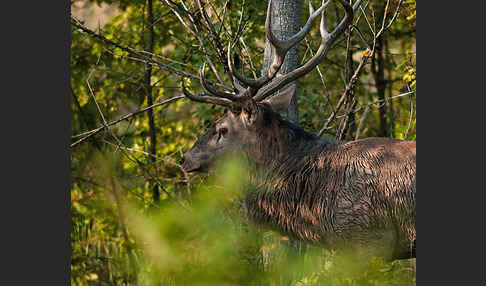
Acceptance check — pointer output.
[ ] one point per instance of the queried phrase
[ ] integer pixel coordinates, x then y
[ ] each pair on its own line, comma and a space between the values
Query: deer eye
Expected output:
223, 131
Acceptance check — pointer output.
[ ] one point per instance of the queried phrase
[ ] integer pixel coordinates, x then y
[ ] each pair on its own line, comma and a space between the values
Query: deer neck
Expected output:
279, 140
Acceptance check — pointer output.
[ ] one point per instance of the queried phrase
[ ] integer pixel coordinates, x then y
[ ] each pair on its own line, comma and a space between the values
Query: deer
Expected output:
321, 191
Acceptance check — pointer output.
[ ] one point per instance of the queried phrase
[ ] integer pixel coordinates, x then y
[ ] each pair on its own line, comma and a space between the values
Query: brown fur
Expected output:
333, 193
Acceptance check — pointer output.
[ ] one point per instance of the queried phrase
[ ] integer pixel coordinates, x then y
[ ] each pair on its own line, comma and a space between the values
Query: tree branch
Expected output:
125, 117
139, 54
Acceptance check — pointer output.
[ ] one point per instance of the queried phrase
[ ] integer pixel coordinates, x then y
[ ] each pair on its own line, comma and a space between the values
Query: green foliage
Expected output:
209, 244
121, 236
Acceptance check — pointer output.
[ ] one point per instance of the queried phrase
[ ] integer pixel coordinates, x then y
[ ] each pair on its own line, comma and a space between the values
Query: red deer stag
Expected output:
309, 188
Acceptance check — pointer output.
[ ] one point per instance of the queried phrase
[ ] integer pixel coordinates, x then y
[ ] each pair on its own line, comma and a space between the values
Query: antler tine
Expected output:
210, 90
238, 86
280, 47
327, 40
323, 26
254, 83
206, 99
283, 46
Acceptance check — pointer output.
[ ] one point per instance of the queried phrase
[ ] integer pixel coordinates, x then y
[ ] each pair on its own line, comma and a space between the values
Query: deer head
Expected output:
244, 120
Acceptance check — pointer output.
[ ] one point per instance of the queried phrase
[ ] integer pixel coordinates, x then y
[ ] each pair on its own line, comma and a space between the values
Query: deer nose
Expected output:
182, 160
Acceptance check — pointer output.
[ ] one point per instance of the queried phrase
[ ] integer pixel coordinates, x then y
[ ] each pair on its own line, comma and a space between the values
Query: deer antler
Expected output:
327, 41
262, 87
281, 48
205, 98
210, 90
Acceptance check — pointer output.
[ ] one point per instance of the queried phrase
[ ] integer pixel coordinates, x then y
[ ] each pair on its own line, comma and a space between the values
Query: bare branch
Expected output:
369, 52
140, 55
411, 112
349, 87
125, 117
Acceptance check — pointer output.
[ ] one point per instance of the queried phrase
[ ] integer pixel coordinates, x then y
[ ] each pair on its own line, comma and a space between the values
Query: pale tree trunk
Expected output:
286, 21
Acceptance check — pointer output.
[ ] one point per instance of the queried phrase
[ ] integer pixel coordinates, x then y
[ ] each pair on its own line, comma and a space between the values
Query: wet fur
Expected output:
361, 192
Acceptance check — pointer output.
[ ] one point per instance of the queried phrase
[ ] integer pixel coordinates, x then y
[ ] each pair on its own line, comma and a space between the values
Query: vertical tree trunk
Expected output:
391, 110
378, 69
348, 127
148, 90
286, 20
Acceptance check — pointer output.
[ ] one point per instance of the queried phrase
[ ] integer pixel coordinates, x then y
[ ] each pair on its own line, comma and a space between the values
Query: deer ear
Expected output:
281, 100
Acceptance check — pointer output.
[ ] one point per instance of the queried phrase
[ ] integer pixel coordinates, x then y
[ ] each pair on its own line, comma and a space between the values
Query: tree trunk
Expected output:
348, 127
378, 70
148, 90
391, 110
286, 20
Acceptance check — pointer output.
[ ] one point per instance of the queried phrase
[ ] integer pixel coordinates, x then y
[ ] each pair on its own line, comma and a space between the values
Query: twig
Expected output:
147, 172
367, 54
140, 54
378, 101
349, 87
361, 121
125, 117
186, 175
411, 112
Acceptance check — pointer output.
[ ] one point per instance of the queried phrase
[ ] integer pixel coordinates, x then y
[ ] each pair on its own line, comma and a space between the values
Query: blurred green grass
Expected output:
206, 242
